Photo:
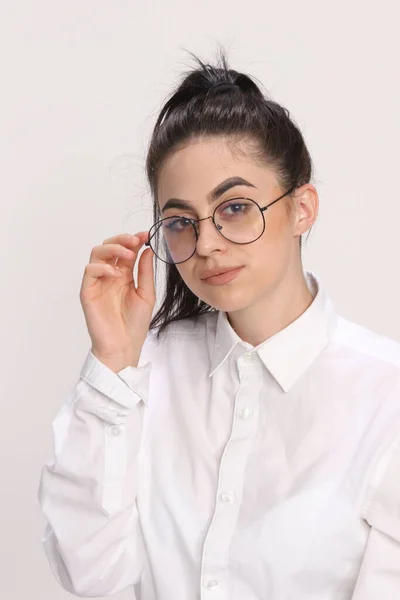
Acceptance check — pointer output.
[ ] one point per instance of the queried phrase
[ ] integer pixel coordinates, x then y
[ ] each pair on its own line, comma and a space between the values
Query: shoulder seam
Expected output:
395, 361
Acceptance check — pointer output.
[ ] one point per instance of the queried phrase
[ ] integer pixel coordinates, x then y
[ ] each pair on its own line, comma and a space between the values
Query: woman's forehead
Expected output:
196, 169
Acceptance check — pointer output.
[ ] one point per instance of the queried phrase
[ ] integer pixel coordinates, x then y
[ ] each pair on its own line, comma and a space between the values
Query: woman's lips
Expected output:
223, 277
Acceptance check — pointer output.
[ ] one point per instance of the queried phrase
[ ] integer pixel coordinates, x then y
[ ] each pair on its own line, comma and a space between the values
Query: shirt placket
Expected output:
214, 567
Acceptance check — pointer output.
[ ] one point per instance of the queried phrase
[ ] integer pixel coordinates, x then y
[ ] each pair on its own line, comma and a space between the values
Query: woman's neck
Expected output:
272, 312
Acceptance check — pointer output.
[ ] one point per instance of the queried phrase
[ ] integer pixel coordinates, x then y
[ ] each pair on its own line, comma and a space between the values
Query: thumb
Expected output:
145, 286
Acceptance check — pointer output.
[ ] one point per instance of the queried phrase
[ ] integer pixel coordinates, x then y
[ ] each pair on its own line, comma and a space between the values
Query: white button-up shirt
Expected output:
216, 470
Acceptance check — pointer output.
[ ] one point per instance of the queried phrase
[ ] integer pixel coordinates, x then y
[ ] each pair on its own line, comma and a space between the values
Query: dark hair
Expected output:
202, 106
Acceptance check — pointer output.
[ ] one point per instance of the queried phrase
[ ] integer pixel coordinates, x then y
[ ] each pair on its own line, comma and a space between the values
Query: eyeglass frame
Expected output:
262, 209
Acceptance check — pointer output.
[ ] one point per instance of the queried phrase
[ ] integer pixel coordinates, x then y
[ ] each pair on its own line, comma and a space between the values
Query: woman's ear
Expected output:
306, 204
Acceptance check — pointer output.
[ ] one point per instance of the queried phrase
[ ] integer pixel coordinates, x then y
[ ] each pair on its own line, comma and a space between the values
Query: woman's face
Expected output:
191, 174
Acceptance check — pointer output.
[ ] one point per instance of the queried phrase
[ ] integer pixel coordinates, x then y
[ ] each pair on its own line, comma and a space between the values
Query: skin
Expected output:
270, 291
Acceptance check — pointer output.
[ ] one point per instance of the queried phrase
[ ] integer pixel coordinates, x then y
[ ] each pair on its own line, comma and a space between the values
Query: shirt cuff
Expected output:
127, 387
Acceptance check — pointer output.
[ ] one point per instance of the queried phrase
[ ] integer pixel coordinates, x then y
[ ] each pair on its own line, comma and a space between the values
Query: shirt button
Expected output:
245, 413
115, 430
249, 358
211, 584
227, 497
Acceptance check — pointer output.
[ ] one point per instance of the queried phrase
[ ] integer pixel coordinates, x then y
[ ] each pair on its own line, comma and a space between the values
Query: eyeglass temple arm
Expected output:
150, 238
280, 197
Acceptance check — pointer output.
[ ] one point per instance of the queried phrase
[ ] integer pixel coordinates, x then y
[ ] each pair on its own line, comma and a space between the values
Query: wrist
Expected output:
116, 362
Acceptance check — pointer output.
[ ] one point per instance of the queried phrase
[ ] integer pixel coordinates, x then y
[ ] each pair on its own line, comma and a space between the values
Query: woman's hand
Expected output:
117, 312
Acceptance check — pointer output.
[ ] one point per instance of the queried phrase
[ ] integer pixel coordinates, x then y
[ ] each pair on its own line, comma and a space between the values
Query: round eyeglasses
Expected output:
239, 220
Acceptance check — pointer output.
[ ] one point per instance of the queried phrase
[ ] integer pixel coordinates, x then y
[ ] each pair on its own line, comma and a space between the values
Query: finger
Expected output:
133, 242
117, 239
126, 238
109, 252
141, 239
145, 276
143, 236
94, 271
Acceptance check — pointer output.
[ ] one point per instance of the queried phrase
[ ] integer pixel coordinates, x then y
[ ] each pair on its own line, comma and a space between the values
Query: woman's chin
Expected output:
227, 302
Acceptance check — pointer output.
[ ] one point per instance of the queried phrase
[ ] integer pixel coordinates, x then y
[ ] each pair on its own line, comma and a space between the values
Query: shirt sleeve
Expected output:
88, 490
379, 575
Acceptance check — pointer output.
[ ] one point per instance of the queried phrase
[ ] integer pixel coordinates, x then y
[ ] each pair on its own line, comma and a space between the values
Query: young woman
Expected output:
243, 443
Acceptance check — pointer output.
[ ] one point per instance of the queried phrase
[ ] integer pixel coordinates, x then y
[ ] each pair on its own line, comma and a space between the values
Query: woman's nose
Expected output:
209, 240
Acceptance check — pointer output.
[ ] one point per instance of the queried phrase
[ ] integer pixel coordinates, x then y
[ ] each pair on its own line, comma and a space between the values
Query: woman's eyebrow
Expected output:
216, 193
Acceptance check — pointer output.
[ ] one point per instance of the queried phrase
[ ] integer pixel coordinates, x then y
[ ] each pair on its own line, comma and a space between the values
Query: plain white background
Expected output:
81, 85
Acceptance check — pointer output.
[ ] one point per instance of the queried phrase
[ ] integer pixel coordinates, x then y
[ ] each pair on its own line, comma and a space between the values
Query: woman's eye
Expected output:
236, 208
179, 224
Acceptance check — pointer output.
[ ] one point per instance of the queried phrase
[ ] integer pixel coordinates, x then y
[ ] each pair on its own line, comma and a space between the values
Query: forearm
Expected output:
88, 490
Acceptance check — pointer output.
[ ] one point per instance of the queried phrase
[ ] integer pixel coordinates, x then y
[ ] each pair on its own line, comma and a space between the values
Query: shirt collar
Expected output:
288, 353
